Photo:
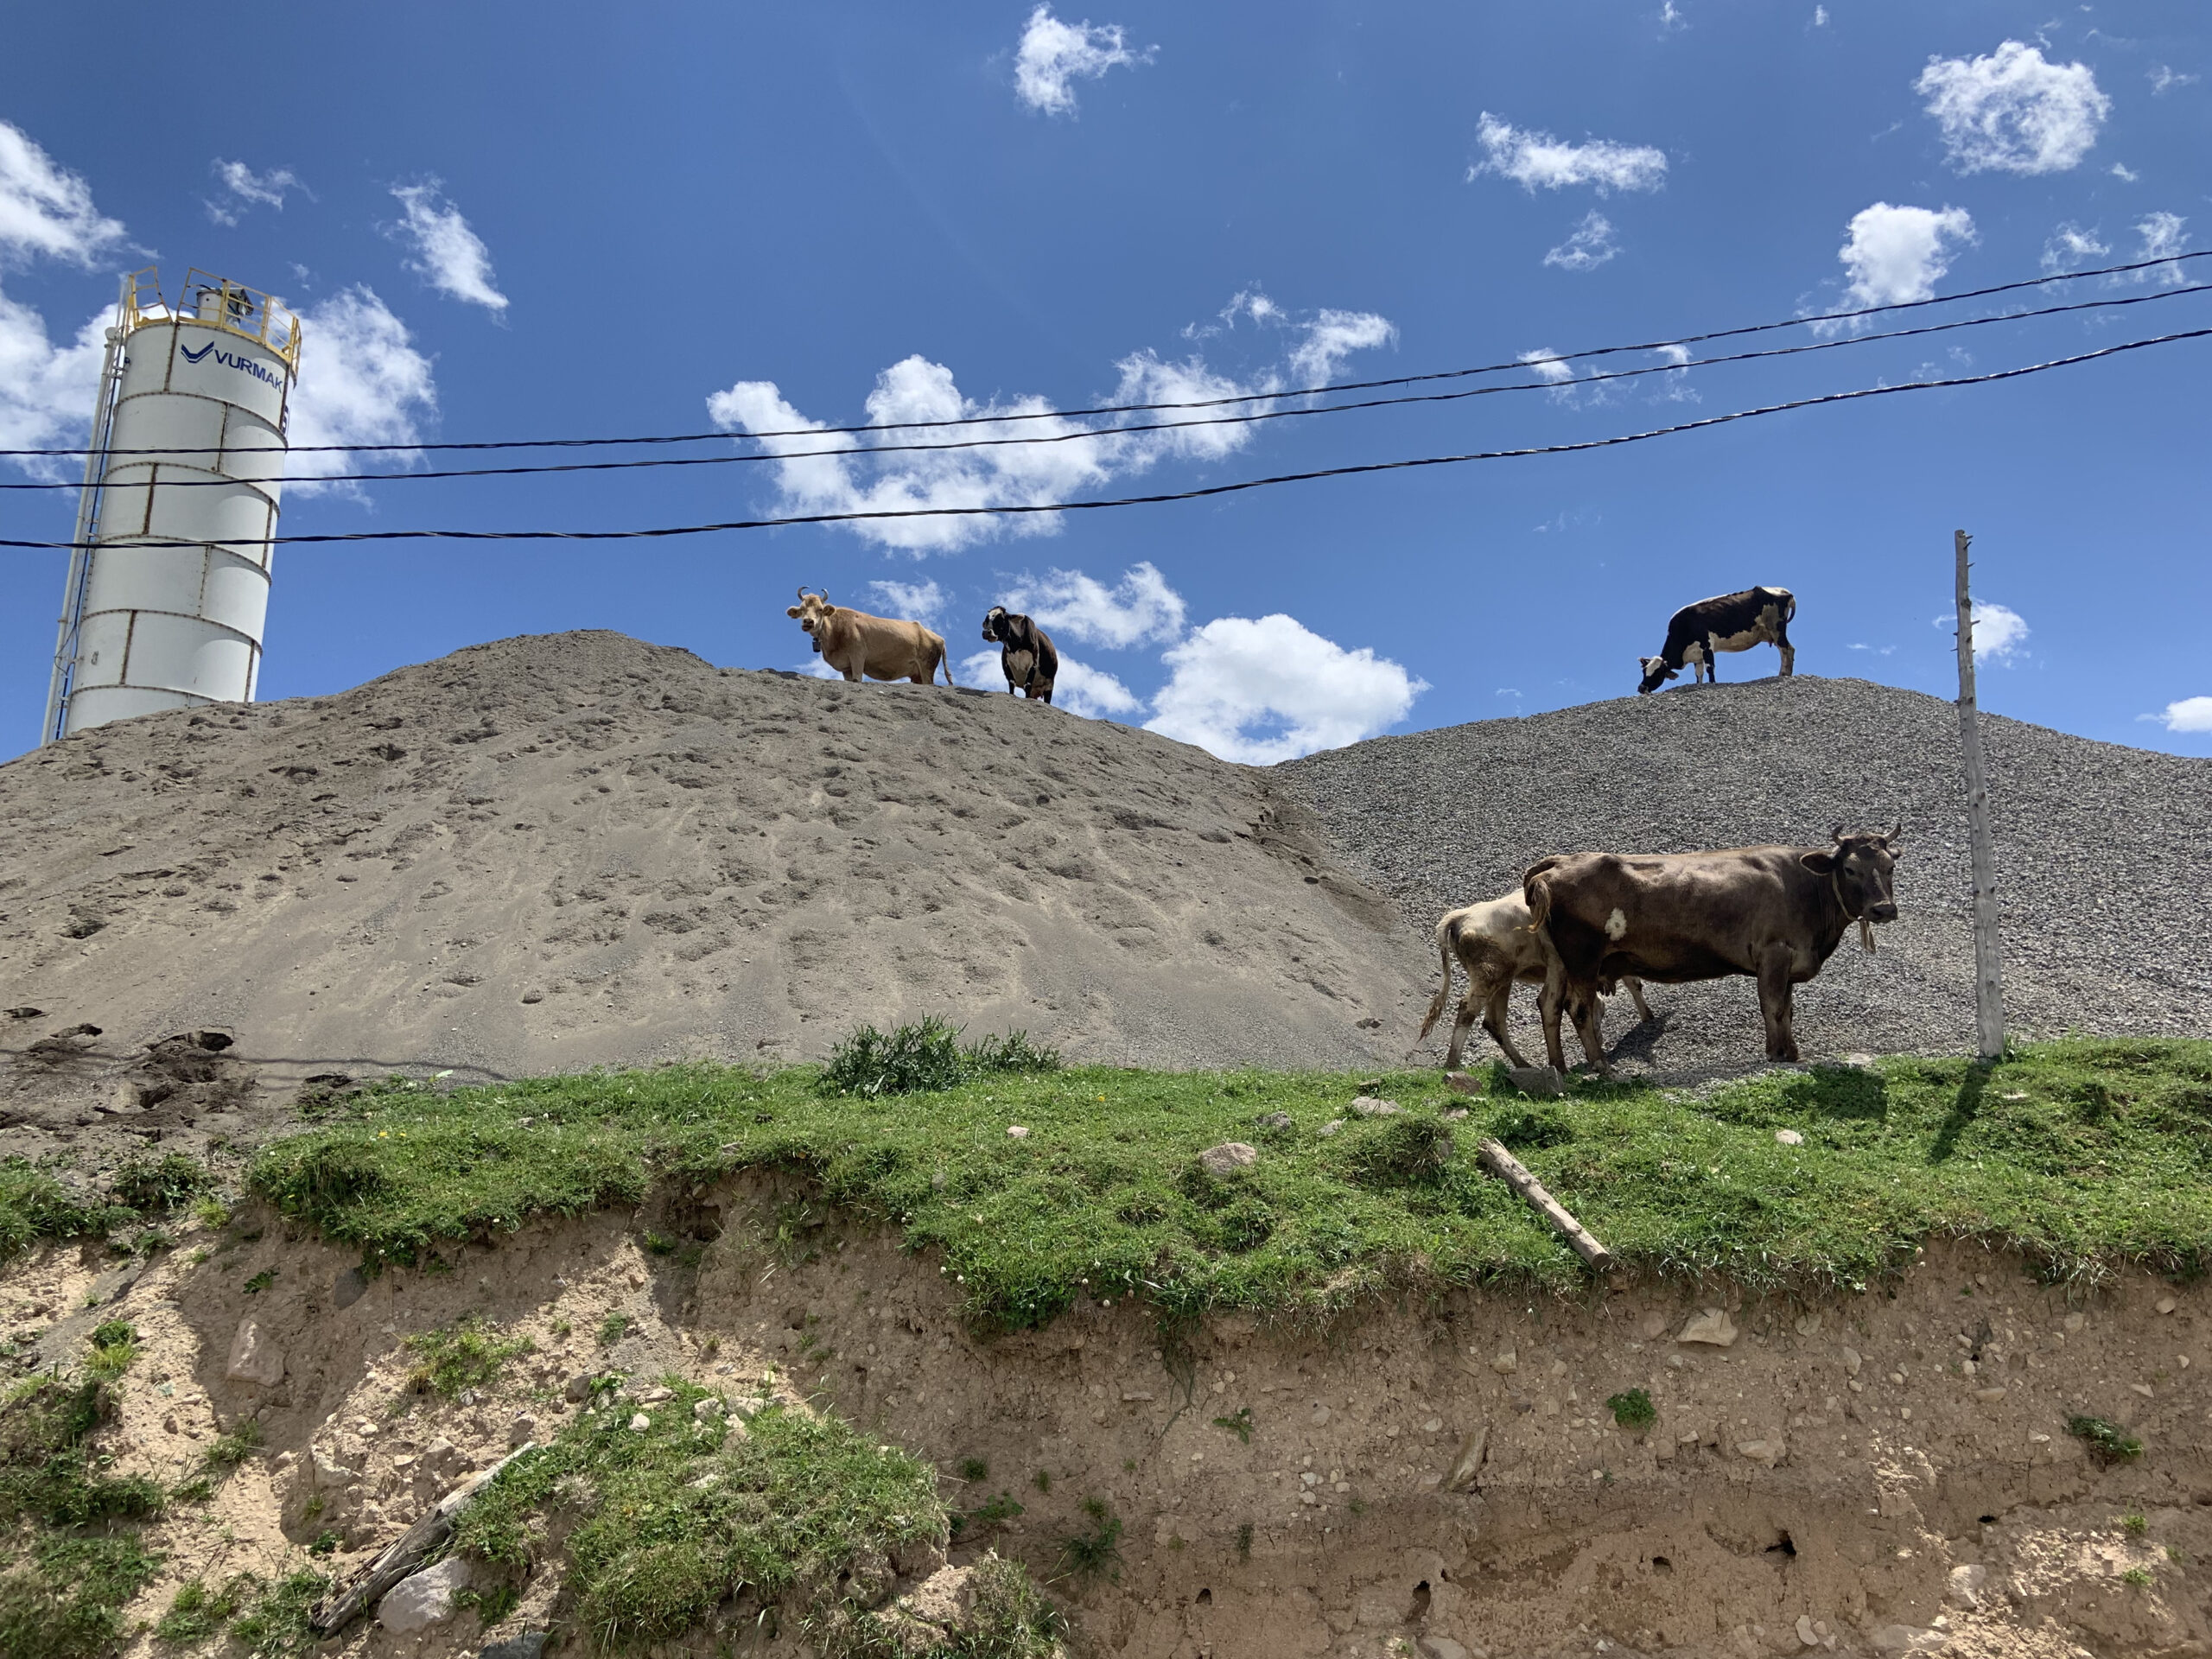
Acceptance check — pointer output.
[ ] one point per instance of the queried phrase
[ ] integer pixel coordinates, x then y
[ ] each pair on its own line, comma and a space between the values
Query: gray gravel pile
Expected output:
2104, 853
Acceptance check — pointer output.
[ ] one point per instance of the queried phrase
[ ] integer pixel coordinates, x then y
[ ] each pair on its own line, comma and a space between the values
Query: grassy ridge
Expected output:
2083, 1154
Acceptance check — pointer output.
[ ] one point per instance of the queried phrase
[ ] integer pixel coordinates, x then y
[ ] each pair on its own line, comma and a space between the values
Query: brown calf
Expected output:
1496, 949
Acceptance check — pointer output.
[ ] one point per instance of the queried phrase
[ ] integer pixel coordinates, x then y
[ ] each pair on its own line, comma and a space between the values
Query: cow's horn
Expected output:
802, 590
1836, 833
1894, 832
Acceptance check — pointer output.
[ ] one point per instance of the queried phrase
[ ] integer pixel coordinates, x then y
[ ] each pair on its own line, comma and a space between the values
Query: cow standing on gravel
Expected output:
1697, 633
859, 645
1496, 949
1775, 913
1026, 652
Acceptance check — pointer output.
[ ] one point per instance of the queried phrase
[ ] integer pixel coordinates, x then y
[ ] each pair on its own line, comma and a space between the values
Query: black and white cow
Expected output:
1697, 633
1025, 653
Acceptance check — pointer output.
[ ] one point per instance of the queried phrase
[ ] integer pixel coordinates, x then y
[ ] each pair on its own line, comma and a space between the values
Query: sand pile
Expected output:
2108, 909
552, 853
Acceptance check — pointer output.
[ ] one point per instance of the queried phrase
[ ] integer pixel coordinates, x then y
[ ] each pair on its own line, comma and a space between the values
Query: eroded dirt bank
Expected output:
1883, 1473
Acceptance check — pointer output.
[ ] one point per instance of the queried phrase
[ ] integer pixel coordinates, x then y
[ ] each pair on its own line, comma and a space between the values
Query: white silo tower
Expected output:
187, 449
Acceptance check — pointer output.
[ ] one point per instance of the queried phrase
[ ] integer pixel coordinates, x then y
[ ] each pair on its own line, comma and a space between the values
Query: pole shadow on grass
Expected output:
1965, 1108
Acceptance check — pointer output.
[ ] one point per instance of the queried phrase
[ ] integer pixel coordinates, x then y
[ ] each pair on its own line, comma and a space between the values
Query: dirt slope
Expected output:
552, 853
2100, 852
1864, 1475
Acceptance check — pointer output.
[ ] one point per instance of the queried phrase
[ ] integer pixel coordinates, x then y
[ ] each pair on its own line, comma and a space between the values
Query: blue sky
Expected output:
565, 221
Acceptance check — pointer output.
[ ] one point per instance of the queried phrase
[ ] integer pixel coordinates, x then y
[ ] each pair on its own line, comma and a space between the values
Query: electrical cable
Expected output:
1199, 494
1120, 431
2175, 260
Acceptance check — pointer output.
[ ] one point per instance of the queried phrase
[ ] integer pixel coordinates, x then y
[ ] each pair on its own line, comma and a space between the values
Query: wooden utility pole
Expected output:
1988, 993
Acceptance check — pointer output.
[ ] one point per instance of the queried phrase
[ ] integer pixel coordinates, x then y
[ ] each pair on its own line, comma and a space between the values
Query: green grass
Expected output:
154, 1185
1097, 1549
35, 1206
63, 1597
927, 1059
465, 1355
197, 1613
2106, 1440
660, 1526
275, 1626
2103, 1159
1633, 1409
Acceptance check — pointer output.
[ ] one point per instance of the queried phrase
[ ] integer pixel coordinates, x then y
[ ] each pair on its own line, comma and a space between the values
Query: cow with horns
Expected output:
1774, 914
860, 646
1025, 653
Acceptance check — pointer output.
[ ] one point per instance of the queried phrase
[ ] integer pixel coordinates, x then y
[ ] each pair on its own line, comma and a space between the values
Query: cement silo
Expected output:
168, 585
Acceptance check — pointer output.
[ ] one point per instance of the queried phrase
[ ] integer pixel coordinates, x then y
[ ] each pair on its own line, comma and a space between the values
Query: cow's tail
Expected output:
1446, 936
944, 658
1537, 892
1789, 610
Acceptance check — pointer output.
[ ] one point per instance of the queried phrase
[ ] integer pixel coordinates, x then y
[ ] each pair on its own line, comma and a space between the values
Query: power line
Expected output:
1199, 494
1158, 426
1832, 317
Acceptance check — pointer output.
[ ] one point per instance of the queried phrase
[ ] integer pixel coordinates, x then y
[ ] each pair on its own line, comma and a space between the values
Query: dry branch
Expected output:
1500, 1162
402, 1557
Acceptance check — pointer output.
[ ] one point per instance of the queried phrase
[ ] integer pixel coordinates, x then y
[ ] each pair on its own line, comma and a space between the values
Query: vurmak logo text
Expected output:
230, 359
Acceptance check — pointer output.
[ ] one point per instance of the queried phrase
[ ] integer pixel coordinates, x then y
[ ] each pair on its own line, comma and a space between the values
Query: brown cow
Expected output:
859, 645
1775, 913
1497, 948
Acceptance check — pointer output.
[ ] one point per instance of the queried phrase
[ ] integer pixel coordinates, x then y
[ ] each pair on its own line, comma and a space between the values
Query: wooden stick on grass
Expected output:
1500, 1162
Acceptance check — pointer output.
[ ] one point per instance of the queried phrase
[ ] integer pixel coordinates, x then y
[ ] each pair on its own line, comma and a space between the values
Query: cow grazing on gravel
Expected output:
1697, 633
859, 645
1025, 652
1775, 913
1496, 949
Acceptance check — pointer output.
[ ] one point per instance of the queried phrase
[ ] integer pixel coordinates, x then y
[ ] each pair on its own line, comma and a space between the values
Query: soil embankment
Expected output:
1880, 1473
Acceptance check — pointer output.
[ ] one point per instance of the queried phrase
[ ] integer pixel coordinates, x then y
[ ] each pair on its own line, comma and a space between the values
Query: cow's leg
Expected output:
1788, 654
1588, 1011
1775, 1003
1712, 661
1455, 1056
1636, 993
1494, 1021
1554, 992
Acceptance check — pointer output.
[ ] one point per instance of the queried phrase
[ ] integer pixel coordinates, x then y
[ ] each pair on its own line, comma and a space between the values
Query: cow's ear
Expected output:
1819, 864
791, 610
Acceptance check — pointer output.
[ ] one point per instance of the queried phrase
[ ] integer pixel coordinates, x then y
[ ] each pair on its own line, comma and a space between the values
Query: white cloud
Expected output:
2162, 239
1670, 17
2190, 715
1674, 387
1590, 246
1820, 17
361, 381
1895, 255
2000, 631
243, 188
1092, 692
47, 388
46, 209
2069, 246
448, 256
2164, 79
1269, 689
1140, 609
916, 601
1332, 336
1547, 365
1024, 474
1079, 688
1878, 651
1052, 54
1530, 159
2013, 111
2124, 172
